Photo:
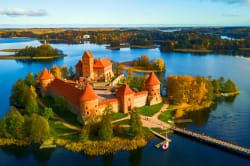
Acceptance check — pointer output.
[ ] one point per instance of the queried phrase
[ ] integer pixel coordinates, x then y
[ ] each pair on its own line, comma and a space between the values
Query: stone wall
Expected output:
116, 80
113, 102
140, 99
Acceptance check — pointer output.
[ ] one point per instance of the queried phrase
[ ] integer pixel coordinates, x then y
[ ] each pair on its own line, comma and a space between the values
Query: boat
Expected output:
165, 146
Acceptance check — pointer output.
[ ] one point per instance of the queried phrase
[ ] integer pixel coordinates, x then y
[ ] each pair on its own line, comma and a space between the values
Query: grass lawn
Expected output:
150, 110
123, 122
167, 115
118, 115
69, 117
158, 130
57, 131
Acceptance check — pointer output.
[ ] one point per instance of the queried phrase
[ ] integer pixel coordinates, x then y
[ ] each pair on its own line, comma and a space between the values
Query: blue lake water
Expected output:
228, 120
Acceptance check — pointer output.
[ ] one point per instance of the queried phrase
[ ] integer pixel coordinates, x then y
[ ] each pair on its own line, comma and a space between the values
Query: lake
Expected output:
228, 120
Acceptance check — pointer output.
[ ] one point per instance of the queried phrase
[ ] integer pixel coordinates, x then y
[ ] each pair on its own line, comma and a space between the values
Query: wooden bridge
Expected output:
213, 141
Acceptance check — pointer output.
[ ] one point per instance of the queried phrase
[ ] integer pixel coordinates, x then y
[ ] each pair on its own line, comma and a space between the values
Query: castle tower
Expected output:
126, 98
87, 65
88, 102
45, 79
153, 86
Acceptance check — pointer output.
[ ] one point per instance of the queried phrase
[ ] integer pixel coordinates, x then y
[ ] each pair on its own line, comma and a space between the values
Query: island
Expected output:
98, 111
44, 51
142, 65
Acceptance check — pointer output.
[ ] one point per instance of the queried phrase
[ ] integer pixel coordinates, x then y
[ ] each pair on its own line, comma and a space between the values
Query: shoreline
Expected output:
131, 46
7, 57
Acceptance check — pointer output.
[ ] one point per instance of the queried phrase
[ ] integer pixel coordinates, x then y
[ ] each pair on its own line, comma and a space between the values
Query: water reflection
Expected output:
135, 157
107, 159
40, 61
24, 152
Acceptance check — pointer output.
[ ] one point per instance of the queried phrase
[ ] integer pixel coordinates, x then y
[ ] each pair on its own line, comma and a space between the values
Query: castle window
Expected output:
95, 106
86, 108
95, 110
87, 113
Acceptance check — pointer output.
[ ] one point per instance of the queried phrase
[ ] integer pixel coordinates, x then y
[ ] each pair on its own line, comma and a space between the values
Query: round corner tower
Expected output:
88, 102
153, 86
45, 79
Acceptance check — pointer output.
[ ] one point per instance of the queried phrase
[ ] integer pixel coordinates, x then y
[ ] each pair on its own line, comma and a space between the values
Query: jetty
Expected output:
213, 141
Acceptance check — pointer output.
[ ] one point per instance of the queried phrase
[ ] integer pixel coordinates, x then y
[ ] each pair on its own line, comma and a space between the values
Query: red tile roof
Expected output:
88, 93
103, 62
68, 91
108, 101
124, 90
79, 64
88, 54
141, 93
46, 75
153, 80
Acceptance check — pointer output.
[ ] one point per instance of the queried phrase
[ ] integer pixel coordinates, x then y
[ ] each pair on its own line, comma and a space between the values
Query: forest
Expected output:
199, 39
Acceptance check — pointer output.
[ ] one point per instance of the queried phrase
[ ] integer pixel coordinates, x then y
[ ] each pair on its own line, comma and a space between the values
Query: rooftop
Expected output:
153, 80
103, 62
46, 75
124, 90
88, 93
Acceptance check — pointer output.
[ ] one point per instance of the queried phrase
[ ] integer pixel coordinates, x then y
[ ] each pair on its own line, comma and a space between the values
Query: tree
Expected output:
39, 130
31, 105
136, 129
47, 112
29, 79
222, 82
216, 85
11, 126
71, 73
161, 65
18, 91
60, 104
230, 86
64, 72
56, 70
106, 129
84, 135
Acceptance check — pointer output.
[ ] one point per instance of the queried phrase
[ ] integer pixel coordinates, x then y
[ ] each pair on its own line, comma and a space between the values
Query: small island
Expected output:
97, 111
142, 65
44, 51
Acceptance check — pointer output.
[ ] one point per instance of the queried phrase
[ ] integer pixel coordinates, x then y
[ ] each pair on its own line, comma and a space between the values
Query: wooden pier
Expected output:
213, 141
161, 136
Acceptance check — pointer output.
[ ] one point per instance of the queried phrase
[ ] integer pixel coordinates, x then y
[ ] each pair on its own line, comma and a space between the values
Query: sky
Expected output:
126, 12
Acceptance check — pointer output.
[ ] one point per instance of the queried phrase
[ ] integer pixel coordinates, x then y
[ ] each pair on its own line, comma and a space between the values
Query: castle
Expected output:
101, 69
85, 102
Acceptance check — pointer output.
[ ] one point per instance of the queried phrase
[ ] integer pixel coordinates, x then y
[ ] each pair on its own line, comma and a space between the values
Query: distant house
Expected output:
86, 36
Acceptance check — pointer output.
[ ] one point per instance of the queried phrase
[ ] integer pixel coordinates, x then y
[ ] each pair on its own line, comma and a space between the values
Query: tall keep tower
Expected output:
87, 65
88, 102
153, 86
126, 98
45, 79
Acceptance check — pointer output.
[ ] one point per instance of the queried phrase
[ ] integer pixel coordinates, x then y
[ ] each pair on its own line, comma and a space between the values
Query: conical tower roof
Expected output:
88, 93
46, 75
88, 54
124, 90
153, 80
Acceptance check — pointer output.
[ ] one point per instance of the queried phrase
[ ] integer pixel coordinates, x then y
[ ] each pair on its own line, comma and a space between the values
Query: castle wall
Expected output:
140, 99
113, 102
116, 80
72, 107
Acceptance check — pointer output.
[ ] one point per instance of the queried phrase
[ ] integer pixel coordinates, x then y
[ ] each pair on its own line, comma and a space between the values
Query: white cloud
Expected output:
21, 12
247, 2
